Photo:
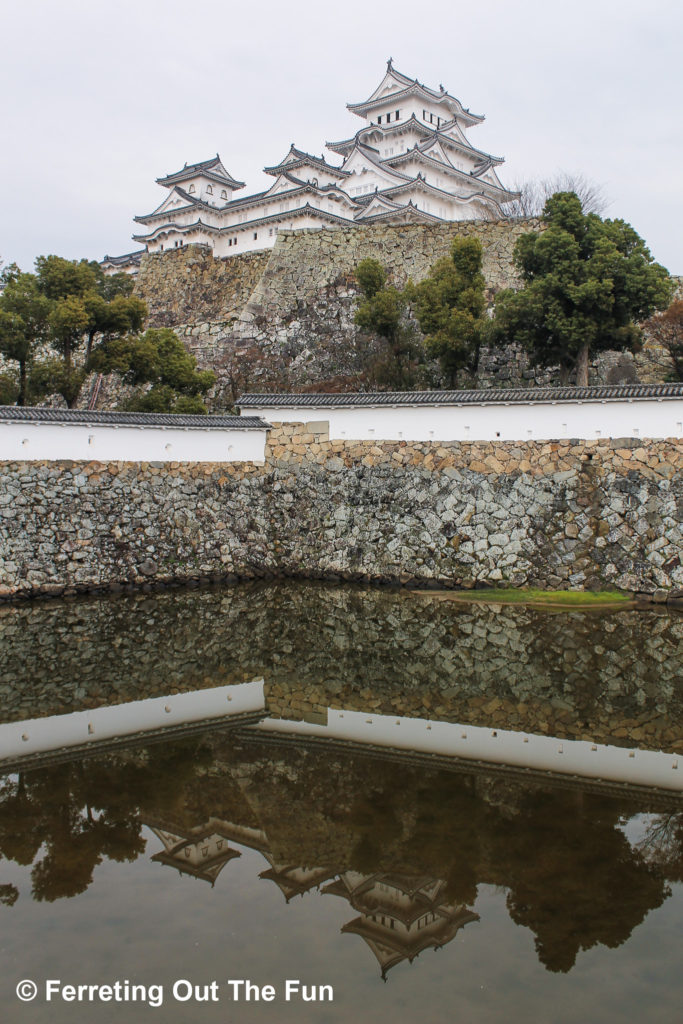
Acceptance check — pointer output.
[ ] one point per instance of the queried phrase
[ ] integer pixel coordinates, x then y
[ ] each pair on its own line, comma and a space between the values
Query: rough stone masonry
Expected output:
286, 315
563, 514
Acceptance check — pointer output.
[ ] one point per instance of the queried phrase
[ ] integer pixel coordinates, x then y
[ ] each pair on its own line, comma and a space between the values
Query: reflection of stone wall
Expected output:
577, 515
604, 676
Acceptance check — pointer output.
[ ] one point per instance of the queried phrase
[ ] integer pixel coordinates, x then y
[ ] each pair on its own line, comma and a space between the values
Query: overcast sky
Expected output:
99, 99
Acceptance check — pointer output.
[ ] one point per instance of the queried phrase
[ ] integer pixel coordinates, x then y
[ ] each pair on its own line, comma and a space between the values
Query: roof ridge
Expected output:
470, 396
44, 414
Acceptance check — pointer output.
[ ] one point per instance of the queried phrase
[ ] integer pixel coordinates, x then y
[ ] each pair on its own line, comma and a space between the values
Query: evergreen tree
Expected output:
382, 312
65, 304
24, 314
450, 306
160, 358
586, 283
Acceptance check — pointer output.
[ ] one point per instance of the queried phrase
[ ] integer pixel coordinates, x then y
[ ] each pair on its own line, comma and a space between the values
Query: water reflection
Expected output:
342, 796
610, 677
406, 846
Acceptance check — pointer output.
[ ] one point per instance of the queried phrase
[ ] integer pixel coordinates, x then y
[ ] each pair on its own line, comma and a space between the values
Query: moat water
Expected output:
425, 807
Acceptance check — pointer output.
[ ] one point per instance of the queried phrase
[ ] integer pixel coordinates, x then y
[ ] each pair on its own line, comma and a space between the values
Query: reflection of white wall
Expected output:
537, 421
497, 746
39, 735
27, 441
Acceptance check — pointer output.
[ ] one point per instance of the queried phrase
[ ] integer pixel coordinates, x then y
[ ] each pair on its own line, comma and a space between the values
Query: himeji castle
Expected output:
411, 162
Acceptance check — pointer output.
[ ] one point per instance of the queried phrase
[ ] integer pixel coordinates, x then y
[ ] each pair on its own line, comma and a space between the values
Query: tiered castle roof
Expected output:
410, 163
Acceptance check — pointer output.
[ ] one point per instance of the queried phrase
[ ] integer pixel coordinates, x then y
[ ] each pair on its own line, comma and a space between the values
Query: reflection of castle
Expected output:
201, 852
400, 916
292, 880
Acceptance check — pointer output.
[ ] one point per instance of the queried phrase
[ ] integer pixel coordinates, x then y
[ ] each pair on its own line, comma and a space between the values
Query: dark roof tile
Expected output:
26, 414
502, 396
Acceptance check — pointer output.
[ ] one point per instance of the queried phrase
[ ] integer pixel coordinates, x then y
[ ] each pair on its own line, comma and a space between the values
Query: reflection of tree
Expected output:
21, 831
571, 875
82, 812
376, 826
574, 879
662, 845
9, 894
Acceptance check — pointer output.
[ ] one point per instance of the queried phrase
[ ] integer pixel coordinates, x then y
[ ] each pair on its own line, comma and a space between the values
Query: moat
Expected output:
431, 806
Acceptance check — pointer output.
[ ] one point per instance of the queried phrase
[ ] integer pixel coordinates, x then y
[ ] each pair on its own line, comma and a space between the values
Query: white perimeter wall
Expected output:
537, 421
103, 443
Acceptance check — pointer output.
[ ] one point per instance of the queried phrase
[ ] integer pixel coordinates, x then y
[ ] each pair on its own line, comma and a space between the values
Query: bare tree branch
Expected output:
535, 192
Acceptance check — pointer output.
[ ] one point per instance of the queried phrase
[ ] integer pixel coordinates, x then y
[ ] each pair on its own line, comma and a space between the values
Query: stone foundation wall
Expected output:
284, 317
575, 515
183, 286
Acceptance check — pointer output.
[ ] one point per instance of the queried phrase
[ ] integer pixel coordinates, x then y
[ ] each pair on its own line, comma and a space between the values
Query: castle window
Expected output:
224, 194
209, 190
255, 235
398, 114
379, 119
191, 189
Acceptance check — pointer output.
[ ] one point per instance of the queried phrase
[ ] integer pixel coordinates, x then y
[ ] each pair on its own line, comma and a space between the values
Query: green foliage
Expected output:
382, 312
586, 282
162, 398
65, 304
450, 306
24, 323
9, 388
157, 357
55, 377
68, 321
371, 277
59, 278
115, 285
86, 303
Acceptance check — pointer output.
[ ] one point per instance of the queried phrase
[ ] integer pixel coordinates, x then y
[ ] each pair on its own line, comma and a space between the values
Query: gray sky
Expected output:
101, 99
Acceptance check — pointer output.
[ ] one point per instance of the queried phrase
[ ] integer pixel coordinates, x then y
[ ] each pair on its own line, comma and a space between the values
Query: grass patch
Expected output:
549, 598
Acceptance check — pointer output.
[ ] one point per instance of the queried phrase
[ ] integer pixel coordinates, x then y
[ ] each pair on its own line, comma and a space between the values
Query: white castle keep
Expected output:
411, 162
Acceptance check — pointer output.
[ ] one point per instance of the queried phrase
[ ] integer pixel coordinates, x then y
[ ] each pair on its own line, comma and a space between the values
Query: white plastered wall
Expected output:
538, 421
30, 442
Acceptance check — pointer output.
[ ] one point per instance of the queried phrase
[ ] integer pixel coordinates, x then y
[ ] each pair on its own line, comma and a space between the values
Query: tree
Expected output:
64, 304
586, 283
9, 388
24, 323
84, 304
450, 306
382, 311
667, 330
160, 358
535, 192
